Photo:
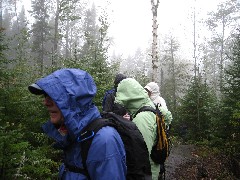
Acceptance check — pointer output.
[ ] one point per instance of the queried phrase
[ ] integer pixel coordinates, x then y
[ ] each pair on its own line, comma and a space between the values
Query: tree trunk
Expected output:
154, 43
194, 42
1, 20
55, 43
67, 40
221, 53
174, 78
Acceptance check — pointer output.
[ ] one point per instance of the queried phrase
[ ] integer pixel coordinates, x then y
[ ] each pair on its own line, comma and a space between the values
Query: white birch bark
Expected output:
154, 43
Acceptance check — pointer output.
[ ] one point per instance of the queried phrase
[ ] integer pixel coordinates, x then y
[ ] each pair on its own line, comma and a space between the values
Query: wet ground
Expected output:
180, 154
189, 162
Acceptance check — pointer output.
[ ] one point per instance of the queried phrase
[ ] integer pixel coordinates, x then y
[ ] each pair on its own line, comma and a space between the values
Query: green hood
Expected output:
132, 95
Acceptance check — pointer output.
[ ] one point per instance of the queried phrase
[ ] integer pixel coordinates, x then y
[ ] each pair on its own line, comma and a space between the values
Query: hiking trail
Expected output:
187, 162
180, 154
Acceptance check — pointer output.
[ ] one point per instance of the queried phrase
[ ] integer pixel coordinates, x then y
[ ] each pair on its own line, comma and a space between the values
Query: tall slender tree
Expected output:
154, 54
172, 46
219, 23
175, 74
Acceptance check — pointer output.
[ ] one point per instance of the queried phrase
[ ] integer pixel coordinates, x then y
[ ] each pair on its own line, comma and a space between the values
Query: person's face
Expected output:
56, 116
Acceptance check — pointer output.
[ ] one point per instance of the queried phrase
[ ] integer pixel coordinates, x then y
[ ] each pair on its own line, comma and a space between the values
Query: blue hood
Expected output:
73, 91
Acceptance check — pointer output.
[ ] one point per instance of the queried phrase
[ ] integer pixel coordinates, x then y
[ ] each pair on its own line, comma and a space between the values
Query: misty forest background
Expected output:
203, 92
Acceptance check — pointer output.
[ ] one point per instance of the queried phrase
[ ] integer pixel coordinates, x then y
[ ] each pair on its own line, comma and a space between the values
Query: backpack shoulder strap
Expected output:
145, 108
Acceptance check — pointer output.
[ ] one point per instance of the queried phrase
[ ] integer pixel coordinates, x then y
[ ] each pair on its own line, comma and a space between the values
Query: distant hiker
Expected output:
108, 103
68, 97
154, 94
133, 96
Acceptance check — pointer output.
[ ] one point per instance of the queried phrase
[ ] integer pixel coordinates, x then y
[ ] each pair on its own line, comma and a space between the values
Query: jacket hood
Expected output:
132, 95
118, 79
154, 89
73, 91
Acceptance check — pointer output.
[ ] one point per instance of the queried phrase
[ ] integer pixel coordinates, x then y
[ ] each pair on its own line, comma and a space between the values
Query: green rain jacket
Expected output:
133, 96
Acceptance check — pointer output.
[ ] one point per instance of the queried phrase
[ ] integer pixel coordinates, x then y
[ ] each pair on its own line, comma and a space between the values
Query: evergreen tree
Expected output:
11, 143
40, 31
93, 56
174, 74
24, 151
66, 23
229, 124
19, 47
195, 111
224, 19
91, 38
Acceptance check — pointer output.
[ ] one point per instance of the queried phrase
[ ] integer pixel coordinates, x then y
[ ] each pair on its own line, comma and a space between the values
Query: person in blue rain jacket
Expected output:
68, 97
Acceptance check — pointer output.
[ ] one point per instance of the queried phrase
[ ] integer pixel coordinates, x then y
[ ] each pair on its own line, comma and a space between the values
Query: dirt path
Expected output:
180, 154
186, 163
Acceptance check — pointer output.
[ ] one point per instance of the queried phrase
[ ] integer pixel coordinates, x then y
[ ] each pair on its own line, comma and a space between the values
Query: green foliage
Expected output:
40, 32
196, 112
219, 23
23, 145
93, 55
11, 147
25, 152
229, 118
38, 165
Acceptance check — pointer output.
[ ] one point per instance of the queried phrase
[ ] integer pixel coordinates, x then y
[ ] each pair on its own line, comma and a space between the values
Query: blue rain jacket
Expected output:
73, 91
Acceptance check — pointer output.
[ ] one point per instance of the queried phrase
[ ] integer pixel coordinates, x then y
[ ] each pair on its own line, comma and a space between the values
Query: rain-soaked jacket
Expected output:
133, 96
73, 90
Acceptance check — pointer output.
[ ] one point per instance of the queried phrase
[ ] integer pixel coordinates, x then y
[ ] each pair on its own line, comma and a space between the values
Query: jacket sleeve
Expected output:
163, 103
107, 157
167, 115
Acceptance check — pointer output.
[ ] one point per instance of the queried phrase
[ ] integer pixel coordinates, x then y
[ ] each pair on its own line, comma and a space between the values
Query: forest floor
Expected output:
189, 162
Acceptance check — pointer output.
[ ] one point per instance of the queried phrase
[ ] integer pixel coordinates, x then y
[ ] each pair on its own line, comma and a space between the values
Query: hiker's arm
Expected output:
167, 115
106, 158
146, 123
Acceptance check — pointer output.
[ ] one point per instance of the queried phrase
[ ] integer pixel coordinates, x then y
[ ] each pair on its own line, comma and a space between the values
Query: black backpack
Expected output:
115, 107
161, 149
137, 156
110, 91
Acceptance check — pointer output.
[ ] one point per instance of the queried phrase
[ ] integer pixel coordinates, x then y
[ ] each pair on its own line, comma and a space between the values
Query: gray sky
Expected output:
131, 21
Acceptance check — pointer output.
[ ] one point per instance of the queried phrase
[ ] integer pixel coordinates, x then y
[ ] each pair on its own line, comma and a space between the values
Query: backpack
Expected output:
161, 149
110, 91
112, 106
137, 156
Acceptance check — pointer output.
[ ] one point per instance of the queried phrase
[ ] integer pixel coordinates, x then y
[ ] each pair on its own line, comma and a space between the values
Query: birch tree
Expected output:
154, 43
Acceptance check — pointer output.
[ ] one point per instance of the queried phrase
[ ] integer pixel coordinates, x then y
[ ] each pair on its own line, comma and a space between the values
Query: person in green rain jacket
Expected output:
133, 96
